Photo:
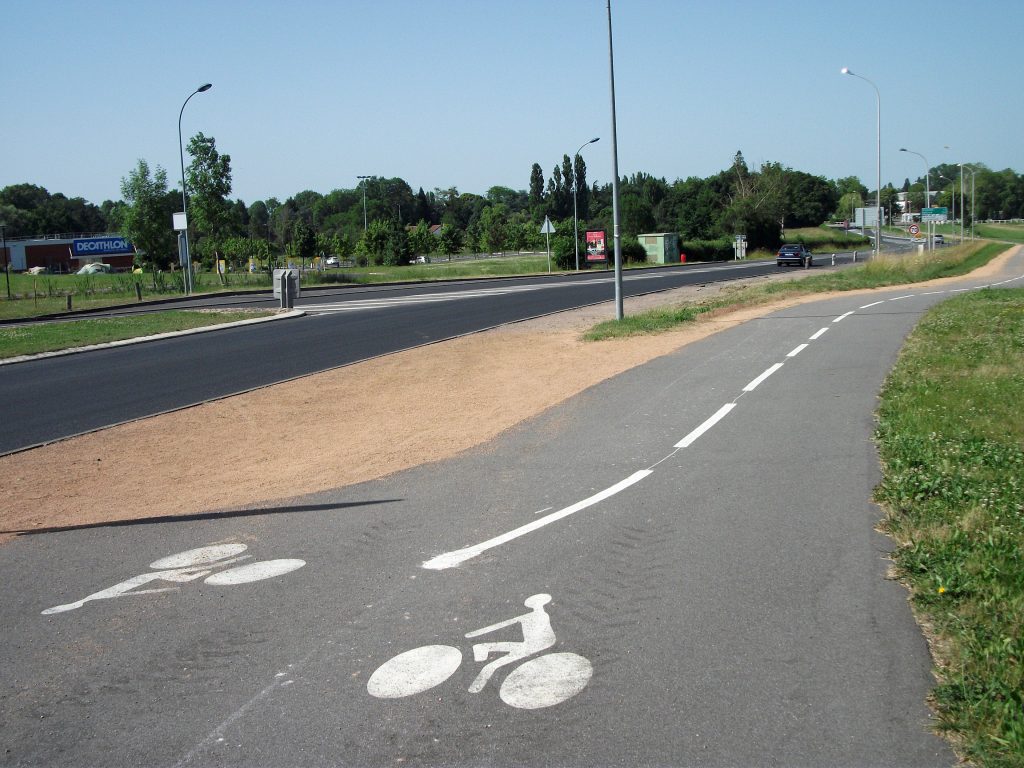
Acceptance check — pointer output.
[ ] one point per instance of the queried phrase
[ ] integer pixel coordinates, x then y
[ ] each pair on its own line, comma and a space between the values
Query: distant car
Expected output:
332, 261
94, 268
37, 270
794, 254
421, 260
940, 240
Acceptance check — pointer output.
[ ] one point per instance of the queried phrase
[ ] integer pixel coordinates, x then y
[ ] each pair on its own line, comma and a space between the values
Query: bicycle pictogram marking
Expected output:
542, 681
191, 565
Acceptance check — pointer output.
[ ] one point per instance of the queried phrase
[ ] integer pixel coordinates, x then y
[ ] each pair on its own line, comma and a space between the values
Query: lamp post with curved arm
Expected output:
575, 184
184, 200
927, 191
878, 157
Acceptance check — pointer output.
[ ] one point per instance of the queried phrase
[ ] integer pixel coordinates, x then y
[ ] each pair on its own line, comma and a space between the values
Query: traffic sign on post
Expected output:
547, 231
934, 214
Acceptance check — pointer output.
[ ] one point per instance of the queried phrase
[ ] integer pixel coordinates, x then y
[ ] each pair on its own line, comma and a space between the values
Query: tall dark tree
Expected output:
582, 190
536, 189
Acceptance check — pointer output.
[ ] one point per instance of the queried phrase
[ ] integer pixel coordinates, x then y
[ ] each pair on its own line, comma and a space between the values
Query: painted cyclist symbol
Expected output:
191, 565
543, 681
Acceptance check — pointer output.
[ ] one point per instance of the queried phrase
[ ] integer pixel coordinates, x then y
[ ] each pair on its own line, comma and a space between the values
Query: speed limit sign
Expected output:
914, 229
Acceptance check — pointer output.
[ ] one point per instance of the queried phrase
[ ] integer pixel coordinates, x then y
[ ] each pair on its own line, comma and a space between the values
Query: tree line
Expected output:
383, 221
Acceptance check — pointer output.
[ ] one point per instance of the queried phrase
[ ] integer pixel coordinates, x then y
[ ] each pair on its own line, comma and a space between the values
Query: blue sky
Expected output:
470, 93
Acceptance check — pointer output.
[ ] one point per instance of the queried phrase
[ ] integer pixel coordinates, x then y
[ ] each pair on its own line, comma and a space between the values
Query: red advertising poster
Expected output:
596, 246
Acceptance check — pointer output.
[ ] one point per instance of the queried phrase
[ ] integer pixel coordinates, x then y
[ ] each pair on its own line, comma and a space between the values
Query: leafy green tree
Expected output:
850, 202
303, 241
144, 219
493, 227
209, 183
421, 241
371, 245
396, 246
451, 240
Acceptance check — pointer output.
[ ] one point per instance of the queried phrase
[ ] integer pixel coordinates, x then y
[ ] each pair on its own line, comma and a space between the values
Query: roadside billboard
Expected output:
596, 250
90, 247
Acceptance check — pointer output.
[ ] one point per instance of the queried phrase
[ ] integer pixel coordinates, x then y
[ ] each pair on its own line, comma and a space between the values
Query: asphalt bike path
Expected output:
677, 566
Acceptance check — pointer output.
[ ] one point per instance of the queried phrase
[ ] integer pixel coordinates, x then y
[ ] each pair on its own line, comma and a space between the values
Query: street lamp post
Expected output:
927, 190
575, 184
615, 175
184, 200
7, 257
878, 157
363, 179
973, 171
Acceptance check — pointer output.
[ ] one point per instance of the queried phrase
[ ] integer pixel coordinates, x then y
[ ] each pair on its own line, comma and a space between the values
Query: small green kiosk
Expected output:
661, 247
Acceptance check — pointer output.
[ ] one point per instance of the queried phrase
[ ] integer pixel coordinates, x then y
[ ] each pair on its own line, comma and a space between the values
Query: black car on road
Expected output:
794, 254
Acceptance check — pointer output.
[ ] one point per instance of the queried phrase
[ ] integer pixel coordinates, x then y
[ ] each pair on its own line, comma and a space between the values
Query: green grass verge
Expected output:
951, 437
51, 337
1011, 232
895, 270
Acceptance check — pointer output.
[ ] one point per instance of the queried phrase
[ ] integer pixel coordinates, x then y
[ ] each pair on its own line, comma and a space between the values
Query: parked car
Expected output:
37, 270
93, 268
332, 261
939, 240
421, 260
797, 254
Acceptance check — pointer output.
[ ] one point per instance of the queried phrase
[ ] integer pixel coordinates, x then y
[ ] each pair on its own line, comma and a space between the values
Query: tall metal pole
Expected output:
7, 259
615, 176
878, 158
575, 184
364, 178
927, 191
962, 202
187, 282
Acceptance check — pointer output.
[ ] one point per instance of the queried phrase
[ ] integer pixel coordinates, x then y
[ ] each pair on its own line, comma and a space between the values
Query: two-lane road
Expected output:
50, 399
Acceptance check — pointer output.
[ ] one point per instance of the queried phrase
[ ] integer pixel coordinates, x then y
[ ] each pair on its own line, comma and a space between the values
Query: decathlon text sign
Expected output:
100, 246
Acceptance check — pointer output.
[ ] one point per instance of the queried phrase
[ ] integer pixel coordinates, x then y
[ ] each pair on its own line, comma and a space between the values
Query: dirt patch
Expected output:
340, 427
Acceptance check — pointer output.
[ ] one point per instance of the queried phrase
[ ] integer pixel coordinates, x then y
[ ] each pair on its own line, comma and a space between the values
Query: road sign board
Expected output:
934, 214
914, 229
548, 228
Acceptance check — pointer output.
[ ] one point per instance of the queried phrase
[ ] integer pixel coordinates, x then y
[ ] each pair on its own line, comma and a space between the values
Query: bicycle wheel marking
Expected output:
191, 565
414, 671
201, 556
546, 681
245, 574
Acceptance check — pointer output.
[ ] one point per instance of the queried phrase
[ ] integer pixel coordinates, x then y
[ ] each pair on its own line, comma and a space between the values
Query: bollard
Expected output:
833, 259
69, 302
854, 257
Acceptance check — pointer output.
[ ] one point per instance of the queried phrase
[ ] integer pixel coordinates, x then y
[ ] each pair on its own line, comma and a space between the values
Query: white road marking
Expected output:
245, 574
689, 440
459, 556
753, 385
819, 334
797, 351
872, 304
546, 680
842, 317
908, 296
200, 556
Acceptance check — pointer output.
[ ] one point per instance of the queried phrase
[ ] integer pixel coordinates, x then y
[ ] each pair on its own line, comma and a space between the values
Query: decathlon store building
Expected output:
67, 253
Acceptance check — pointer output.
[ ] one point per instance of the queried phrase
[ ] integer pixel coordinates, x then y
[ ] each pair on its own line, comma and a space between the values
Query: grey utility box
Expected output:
287, 287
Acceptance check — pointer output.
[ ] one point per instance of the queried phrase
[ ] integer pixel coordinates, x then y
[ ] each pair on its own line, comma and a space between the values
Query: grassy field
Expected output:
49, 337
1012, 232
898, 270
951, 437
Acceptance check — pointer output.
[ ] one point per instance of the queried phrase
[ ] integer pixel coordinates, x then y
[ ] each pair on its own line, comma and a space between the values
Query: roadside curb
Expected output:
154, 337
